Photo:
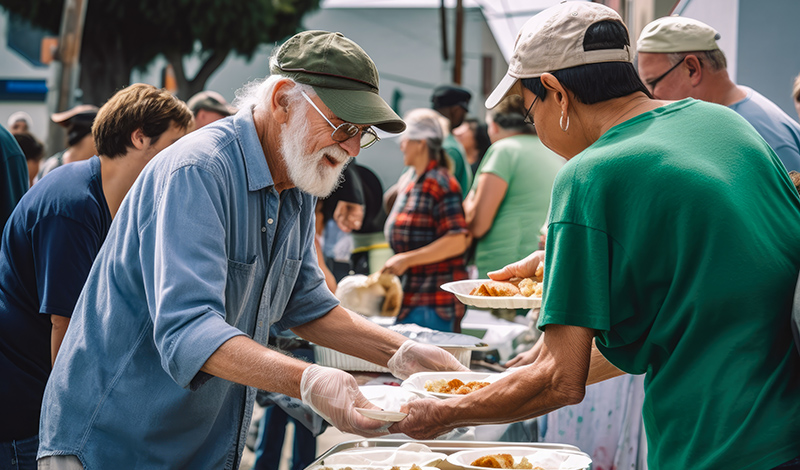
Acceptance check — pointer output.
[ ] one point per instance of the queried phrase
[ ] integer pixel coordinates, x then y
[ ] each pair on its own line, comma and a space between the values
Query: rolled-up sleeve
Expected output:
184, 261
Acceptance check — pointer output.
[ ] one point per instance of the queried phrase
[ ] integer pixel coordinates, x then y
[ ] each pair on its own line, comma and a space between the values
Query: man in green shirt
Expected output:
452, 102
672, 244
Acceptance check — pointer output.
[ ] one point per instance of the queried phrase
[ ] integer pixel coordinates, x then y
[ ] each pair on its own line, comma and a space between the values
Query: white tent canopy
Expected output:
505, 17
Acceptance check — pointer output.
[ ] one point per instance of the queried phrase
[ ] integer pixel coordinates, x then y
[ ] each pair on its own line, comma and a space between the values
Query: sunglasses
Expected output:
346, 131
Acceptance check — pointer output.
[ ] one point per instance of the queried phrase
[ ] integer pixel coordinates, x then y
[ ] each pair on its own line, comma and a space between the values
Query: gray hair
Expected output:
257, 92
715, 58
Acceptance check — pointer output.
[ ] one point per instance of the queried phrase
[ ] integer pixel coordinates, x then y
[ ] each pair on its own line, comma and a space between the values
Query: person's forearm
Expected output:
352, 334
57, 332
600, 369
444, 248
244, 361
532, 391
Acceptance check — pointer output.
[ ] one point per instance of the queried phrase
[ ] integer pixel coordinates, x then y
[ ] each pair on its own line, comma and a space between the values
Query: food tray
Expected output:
332, 358
443, 446
461, 289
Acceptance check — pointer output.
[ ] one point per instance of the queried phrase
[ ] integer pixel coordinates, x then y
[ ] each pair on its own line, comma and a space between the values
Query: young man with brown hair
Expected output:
51, 240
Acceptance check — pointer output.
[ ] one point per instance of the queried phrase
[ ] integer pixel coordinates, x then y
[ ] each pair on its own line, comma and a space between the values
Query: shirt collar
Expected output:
255, 162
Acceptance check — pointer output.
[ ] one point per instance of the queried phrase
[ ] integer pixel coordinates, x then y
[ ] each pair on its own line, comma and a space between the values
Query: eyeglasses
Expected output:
528, 119
346, 130
652, 83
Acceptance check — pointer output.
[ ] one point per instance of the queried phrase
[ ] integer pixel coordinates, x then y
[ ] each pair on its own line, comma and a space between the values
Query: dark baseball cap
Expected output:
445, 96
210, 101
77, 120
342, 75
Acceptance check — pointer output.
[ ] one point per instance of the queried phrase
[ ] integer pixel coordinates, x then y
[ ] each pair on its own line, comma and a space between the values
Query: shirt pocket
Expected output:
239, 290
285, 286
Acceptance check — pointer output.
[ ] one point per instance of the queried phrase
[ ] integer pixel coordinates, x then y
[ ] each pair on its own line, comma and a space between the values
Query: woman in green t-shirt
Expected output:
511, 192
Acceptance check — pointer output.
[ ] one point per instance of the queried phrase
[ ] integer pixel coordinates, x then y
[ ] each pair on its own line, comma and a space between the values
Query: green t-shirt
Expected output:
461, 169
529, 168
677, 237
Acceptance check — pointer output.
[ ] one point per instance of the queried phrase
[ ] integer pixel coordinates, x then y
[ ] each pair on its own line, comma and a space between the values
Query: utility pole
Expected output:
458, 60
443, 20
68, 55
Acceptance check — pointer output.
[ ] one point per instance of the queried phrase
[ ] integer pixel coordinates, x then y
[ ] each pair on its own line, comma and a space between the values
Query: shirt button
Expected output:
263, 229
269, 221
261, 323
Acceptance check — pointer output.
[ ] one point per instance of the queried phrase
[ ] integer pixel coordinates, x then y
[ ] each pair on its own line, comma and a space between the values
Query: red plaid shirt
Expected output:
431, 208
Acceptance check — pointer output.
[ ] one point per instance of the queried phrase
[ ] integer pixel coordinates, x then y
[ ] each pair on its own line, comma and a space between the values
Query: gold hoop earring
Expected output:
561, 122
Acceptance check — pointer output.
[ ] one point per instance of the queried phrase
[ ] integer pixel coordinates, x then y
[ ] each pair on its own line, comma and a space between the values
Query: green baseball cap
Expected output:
342, 75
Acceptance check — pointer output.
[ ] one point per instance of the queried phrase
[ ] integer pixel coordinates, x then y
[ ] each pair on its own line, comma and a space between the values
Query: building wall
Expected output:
14, 66
768, 40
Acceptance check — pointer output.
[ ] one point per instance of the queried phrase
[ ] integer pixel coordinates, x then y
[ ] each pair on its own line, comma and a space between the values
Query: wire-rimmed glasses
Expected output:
347, 130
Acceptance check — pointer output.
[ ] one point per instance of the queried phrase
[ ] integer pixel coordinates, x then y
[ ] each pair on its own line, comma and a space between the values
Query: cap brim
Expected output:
64, 116
508, 86
361, 107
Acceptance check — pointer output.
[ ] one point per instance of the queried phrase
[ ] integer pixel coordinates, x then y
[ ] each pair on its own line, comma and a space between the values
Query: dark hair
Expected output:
593, 83
30, 145
510, 113
138, 106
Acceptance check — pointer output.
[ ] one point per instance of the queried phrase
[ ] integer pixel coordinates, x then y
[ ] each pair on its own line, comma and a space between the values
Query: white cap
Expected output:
20, 116
672, 34
553, 40
423, 124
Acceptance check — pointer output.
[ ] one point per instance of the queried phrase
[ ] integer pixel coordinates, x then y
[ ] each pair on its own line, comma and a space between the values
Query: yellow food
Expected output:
454, 386
503, 461
515, 286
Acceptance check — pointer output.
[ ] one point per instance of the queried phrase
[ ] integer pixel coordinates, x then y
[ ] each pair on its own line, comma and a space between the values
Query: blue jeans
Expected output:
427, 317
19, 454
271, 432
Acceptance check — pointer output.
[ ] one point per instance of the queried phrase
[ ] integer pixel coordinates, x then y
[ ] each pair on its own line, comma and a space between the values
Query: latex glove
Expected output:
334, 395
413, 357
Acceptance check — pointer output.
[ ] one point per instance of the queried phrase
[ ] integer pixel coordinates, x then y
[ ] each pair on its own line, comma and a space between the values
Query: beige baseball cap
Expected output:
677, 34
553, 40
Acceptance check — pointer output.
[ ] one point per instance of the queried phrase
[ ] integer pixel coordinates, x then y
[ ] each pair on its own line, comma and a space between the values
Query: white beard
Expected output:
310, 173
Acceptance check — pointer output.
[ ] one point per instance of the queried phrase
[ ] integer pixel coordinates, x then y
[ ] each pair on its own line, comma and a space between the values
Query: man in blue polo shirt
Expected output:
50, 242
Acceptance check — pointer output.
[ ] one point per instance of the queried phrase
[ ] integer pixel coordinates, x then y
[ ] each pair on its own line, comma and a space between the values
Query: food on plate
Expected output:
503, 461
528, 287
454, 386
515, 286
496, 289
413, 467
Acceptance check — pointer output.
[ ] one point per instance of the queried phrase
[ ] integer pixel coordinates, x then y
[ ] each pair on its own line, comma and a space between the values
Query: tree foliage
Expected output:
123, 35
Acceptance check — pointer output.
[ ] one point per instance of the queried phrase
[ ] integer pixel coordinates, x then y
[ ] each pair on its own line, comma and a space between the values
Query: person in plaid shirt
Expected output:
426, 228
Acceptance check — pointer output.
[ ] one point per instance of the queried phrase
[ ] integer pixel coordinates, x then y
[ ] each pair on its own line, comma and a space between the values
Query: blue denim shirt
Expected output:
202, 249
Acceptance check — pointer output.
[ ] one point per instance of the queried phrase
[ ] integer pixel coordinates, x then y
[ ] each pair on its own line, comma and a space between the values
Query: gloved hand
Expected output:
334, 395
413, 357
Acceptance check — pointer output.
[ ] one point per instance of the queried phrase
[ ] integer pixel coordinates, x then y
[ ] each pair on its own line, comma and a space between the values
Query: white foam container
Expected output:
331, 358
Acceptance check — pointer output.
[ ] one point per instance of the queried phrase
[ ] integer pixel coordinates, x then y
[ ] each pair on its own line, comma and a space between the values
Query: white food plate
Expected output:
387, 397
379, 459
546, 459
461, 289
370, 467
381, 415
416, 382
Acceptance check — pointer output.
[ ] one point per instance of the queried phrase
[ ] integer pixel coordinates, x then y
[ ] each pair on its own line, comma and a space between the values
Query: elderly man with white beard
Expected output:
212, 246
